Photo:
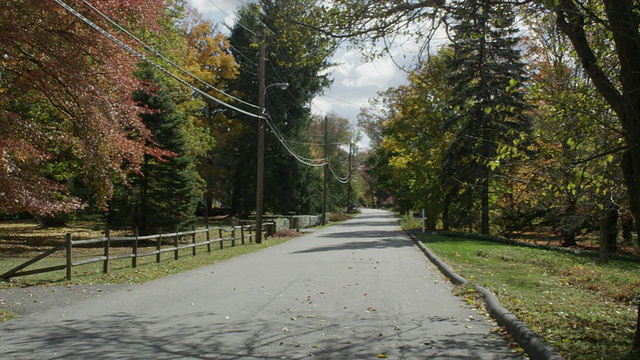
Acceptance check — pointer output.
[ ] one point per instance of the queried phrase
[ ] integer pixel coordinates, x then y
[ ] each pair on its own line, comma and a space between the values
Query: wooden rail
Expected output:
244, 233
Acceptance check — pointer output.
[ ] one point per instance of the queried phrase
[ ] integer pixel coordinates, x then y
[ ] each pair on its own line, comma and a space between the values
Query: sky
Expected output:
354, 81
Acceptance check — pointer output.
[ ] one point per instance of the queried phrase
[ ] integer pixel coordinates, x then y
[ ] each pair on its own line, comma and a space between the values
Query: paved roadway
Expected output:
355, 290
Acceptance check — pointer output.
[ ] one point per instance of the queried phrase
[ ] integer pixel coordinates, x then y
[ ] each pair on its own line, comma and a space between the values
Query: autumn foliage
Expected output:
66, 113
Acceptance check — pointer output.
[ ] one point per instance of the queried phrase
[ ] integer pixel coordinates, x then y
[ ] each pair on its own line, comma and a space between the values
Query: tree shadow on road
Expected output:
212, 336
379, 243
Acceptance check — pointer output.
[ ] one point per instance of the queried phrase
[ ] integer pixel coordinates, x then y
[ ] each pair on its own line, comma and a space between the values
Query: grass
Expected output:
32, 240
582, 308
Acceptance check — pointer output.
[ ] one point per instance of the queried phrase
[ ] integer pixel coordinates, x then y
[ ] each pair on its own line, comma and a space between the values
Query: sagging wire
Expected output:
156, 53
147, 60
301, 159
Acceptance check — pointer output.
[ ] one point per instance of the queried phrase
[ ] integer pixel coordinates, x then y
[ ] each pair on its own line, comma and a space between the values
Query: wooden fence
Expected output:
163, 243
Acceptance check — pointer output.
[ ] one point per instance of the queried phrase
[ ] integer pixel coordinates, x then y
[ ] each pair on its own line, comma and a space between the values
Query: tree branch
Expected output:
571, 21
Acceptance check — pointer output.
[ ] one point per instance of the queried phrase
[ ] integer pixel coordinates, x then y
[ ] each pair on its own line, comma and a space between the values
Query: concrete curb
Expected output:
535, 348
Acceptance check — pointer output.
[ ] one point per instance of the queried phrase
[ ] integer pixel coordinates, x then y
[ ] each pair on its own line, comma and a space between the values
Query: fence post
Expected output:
242, 234
159, 245
208, 239
233, 236
69, 244
134, 260
193, 239
107, 245
176, 244
271, 229
250, 233
220, 235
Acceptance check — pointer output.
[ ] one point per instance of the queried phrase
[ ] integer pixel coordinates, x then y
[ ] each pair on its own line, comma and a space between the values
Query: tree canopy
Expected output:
66, 111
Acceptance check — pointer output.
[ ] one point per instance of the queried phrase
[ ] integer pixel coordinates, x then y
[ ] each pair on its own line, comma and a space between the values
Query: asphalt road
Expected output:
355, 290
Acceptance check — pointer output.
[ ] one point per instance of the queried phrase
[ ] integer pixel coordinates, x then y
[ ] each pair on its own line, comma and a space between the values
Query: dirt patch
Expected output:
286, 233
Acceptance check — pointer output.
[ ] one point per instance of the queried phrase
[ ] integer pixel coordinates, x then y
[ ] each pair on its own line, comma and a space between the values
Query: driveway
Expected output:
355, 290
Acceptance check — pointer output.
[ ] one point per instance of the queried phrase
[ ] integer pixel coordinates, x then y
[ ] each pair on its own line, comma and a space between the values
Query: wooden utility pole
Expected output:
326, 166
260, 175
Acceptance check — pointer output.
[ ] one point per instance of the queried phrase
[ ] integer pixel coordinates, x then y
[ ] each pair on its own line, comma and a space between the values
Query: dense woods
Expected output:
144, 112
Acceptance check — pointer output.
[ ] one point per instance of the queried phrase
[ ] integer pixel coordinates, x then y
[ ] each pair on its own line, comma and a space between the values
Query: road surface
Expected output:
355, 290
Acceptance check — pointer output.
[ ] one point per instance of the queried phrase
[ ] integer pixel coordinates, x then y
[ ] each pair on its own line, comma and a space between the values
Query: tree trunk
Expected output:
568, 230
484, 228
602, 239
623, 24
445, 211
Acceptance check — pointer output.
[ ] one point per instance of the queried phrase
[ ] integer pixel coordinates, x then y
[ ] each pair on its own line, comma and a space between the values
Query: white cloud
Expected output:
355, 81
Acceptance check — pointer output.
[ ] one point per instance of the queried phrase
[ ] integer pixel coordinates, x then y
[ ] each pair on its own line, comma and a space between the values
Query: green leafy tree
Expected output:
340, 137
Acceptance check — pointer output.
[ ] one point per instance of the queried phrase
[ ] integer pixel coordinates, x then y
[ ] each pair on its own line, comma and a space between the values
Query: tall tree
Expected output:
164, 195
207, 55
66, 111
617, 19
487, 101
295, 55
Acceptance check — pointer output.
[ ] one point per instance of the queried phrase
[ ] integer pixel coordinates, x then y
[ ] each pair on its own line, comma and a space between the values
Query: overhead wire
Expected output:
156, 53
150, 62
301, 159
342, 180
275, 130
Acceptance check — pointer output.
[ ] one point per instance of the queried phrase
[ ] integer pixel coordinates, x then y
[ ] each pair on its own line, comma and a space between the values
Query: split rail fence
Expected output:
163, 243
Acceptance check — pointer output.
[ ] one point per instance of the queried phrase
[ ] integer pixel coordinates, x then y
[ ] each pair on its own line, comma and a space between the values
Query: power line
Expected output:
145, 59
156, 53
301, 159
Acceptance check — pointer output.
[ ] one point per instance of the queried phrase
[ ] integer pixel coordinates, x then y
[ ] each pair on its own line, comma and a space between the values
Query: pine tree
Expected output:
487, 104
295, 55
164, 196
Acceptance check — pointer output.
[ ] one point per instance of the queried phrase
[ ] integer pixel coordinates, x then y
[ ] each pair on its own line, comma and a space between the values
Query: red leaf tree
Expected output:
66, 111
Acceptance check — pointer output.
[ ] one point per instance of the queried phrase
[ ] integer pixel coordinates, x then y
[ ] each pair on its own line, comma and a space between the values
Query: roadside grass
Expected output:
580, 307
16, 251
408, 222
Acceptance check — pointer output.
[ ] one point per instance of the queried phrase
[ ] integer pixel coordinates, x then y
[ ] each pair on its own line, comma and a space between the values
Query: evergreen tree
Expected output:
164, 196
487, 106
295, 55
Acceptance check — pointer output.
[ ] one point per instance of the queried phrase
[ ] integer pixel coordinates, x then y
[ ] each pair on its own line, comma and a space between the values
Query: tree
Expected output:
572, 124
164, 195
487, 101
207, 55
617, 20
408, 120
66, 113
340, 137
295, 55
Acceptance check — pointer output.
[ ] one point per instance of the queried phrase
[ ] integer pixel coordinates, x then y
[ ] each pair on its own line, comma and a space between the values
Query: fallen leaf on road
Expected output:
382, 356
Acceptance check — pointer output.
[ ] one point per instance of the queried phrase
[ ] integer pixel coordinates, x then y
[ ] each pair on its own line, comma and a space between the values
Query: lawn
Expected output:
23, 240
582, 308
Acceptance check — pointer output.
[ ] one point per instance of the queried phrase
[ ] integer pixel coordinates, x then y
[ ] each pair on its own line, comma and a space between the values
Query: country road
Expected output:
355, 290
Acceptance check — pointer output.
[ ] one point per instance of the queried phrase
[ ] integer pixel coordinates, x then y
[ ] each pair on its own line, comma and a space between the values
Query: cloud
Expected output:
219, 11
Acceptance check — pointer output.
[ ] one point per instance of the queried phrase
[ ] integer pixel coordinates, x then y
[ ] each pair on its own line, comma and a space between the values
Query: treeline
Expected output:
144, 112
502, 131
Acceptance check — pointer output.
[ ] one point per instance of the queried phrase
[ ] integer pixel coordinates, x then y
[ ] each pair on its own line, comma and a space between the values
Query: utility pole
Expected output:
324, 180
349, 180
261, 114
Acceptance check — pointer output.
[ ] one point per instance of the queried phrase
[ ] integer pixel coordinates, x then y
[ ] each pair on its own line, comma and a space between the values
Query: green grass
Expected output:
408, 222
120, 271
582, 308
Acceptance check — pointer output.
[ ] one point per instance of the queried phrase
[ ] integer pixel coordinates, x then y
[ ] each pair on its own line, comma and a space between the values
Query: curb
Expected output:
535, 348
